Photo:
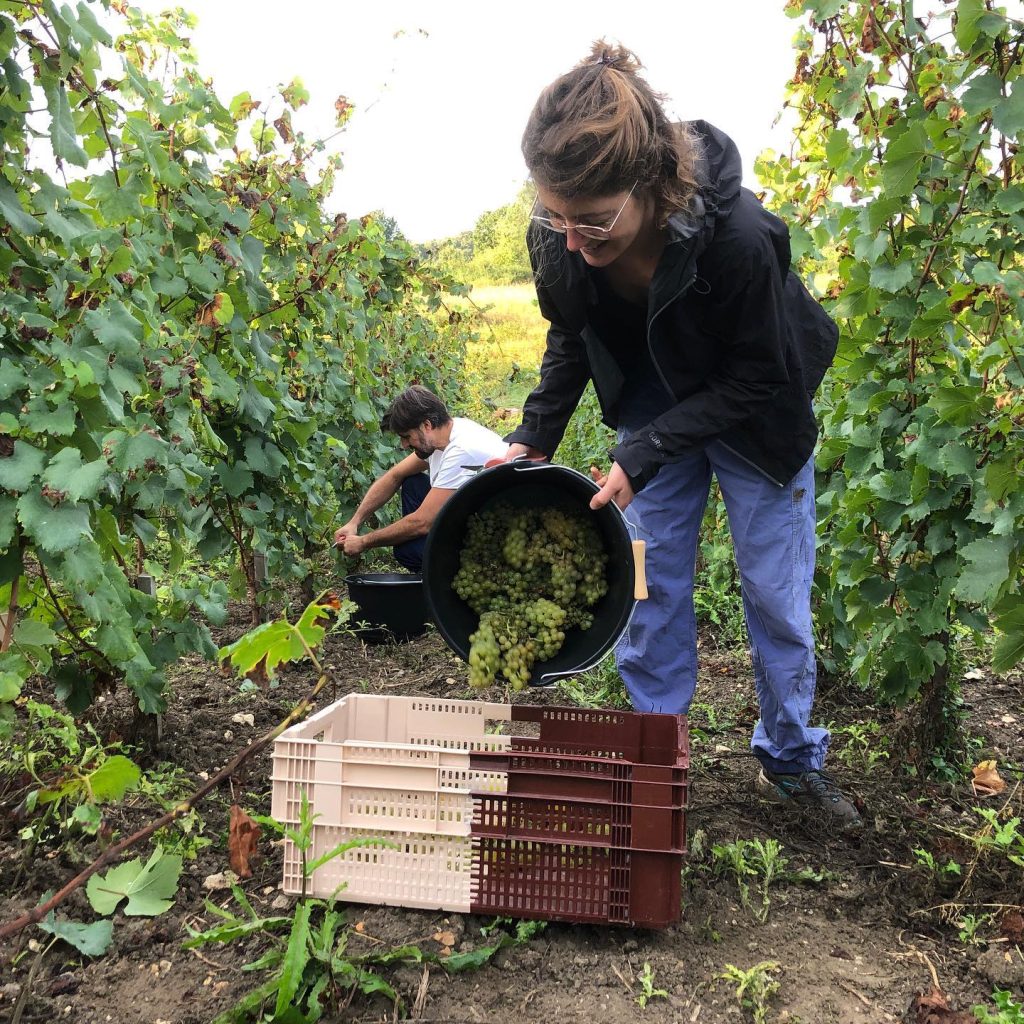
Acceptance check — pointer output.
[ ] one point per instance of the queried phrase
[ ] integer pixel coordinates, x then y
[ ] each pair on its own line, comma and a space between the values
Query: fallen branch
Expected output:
112, 853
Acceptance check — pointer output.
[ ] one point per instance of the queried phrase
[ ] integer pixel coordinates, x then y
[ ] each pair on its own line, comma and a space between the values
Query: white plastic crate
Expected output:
395, 768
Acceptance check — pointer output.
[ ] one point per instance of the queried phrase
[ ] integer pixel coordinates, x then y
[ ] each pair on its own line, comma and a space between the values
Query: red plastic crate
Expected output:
558, 882
583, 819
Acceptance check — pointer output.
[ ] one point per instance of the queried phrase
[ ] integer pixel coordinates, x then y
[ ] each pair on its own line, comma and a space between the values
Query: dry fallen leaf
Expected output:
445, 938
987, 781
1011, 924
243, 835
934, 1008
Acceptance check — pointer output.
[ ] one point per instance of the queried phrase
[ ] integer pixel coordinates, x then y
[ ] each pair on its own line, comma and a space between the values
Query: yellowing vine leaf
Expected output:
279, 642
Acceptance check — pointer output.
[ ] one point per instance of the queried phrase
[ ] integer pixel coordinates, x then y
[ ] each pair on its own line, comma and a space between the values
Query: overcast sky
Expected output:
442, 89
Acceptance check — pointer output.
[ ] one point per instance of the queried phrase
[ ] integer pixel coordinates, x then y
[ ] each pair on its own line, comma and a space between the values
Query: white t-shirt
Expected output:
469, 444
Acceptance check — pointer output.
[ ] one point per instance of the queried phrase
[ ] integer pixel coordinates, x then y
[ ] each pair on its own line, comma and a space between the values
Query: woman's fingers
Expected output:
616, 487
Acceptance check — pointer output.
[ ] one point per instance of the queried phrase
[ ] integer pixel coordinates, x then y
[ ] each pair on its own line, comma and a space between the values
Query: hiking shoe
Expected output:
812, 790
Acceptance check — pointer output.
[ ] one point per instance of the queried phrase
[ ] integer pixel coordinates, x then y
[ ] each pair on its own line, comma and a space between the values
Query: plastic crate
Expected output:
553, 813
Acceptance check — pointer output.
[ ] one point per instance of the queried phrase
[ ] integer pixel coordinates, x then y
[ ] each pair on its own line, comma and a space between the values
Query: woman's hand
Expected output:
614, 487
516, 450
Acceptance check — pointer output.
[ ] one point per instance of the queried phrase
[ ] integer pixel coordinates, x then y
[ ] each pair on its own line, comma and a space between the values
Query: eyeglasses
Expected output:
561, 225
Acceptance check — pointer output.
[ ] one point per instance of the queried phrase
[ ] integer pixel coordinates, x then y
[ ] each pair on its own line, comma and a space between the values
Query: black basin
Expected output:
391, 604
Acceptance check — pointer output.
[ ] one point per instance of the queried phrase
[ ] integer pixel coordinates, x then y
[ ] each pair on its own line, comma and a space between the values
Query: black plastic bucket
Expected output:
530, 484
390, 603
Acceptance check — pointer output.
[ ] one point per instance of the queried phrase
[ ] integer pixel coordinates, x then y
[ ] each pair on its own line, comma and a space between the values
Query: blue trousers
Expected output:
773, 532
410, 553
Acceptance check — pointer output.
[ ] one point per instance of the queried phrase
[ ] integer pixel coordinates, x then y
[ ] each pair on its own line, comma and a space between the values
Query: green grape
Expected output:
530, 574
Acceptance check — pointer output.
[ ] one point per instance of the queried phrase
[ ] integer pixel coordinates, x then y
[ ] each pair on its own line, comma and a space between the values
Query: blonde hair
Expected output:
599, 128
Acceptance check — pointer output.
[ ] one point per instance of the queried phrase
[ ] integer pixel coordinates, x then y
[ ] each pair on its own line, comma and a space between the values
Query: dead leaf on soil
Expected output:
934, 1008
987, 781
243, 835
1011, 924
445, 939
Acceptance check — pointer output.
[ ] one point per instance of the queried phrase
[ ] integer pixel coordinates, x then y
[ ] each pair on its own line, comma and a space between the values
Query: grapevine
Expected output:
531, 574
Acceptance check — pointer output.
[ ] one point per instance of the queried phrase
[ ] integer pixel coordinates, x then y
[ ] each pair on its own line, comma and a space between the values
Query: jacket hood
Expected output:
720, 174
720, 169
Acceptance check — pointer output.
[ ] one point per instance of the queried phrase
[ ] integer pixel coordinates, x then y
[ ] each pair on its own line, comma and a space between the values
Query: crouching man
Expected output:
440, 448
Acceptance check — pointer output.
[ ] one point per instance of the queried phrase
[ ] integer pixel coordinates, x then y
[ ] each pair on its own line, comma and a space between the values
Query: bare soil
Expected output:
858, 944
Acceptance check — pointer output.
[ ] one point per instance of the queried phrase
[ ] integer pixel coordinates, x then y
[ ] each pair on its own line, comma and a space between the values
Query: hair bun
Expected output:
618, 57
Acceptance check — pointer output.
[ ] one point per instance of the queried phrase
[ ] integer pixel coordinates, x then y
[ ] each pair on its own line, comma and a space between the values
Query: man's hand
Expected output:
516, 450
614, 487
350, 529
353, 544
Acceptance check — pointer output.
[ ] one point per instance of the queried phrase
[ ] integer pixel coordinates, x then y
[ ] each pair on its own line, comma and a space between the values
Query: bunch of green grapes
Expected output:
530, 574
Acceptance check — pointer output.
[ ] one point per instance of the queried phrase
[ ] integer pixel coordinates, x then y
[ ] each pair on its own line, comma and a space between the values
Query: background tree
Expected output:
494, 252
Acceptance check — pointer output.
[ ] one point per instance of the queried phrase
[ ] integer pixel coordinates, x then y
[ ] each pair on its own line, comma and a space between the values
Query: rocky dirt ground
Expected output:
855, 929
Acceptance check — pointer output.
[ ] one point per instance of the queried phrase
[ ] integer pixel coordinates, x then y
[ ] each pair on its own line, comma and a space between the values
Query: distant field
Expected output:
505, 360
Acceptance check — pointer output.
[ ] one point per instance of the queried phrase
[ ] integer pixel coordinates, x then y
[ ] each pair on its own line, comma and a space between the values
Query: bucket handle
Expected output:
639, 558
639, 569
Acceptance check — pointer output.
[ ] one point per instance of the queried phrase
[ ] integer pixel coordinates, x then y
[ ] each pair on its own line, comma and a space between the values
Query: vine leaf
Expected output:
115, 328
54, 528
903, 161
891, 278
79, 480
1008, 116
18, 470
988, 566
149, 888
109, 782
1009, 647
89, 939
280, 642
959, 405
295, 94
16, 215
63, 137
